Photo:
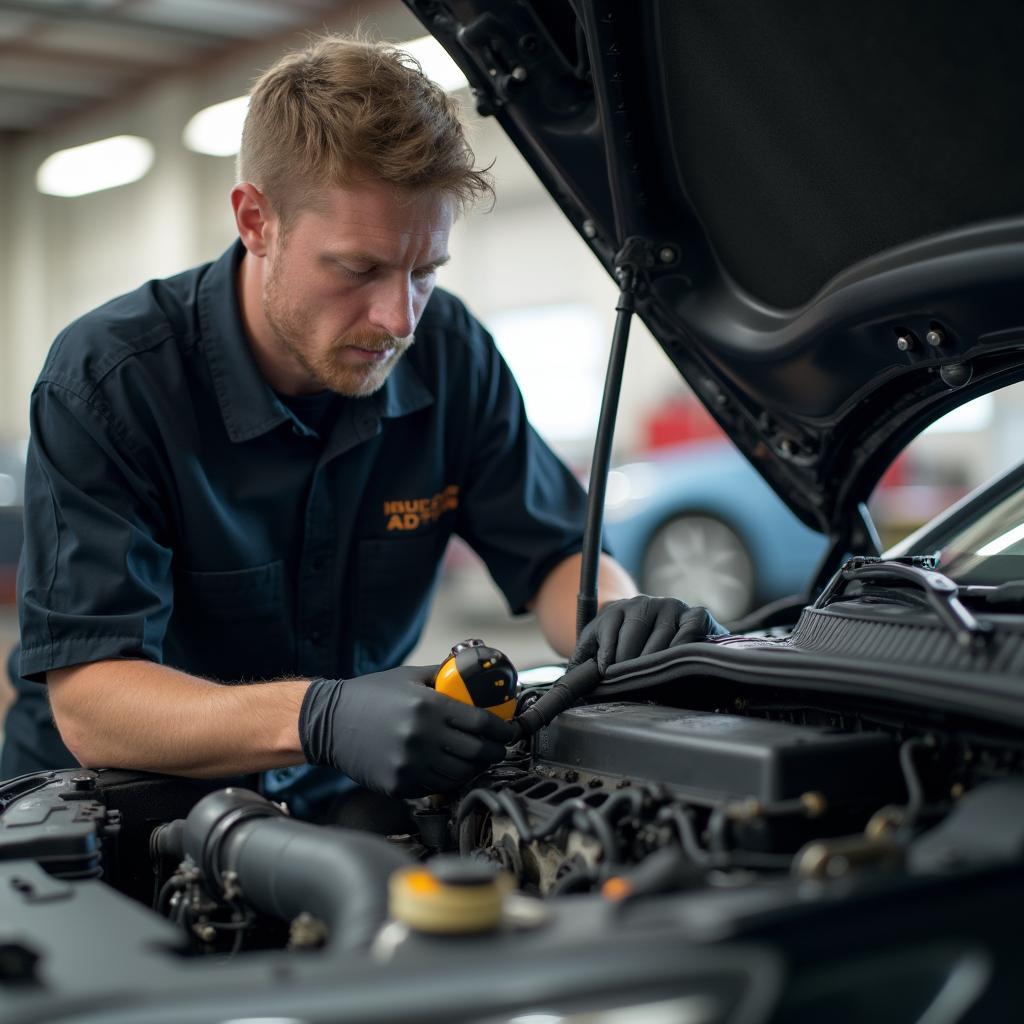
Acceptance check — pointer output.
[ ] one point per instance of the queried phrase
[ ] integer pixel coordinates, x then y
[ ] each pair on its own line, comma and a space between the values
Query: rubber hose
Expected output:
285, 867
569, 690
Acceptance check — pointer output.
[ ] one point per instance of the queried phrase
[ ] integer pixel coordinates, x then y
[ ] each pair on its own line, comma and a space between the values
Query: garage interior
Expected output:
72, 73
813, 814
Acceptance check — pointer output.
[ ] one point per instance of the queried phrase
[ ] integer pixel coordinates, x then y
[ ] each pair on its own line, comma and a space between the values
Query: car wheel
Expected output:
701, 561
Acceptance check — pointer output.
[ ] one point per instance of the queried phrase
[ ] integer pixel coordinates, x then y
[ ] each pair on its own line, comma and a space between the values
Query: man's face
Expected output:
345, 286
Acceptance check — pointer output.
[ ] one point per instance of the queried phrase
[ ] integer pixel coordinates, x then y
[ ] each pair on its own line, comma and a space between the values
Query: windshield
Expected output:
957, 489
990, 550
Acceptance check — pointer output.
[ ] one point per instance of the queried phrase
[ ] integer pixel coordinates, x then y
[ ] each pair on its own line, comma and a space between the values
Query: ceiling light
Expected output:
107, 163
436, 63
217, 130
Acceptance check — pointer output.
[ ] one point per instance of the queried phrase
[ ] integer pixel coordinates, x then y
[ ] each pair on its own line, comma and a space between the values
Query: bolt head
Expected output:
935, 338
666, 254
904, 343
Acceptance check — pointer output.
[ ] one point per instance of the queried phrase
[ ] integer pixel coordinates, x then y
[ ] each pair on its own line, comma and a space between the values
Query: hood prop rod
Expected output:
586, 602
609, 75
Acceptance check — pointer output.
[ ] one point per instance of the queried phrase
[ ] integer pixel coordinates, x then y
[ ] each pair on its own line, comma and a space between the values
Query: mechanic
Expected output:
248, 473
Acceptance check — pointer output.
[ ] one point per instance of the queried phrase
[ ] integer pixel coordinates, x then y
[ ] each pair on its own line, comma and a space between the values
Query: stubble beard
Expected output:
292, 329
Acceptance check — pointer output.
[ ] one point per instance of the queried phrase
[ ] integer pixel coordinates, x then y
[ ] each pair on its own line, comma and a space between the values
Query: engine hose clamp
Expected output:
221, 829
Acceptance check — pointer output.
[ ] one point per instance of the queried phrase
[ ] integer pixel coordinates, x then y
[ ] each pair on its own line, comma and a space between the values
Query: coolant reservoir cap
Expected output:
448, 896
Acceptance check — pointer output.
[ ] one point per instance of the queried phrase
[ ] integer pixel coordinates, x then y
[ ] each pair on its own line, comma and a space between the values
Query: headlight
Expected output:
627, 485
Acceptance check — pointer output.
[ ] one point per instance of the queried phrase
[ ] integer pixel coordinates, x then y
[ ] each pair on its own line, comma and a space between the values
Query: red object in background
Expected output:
7, 584
683, 419
677, 421
898, 473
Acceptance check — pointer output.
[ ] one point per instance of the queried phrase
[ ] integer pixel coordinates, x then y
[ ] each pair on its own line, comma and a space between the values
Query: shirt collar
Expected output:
248, 404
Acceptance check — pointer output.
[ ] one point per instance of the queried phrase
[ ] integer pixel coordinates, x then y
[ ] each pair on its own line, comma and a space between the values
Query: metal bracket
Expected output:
639, 258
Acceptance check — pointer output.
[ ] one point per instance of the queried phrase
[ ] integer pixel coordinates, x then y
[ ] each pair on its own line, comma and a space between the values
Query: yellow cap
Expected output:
447, 900
616, 889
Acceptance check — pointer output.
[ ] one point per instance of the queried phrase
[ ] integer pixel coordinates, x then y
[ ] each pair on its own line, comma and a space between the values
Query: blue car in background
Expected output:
698, 522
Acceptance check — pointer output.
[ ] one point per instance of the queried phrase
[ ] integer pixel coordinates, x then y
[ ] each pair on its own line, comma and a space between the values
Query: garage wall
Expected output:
23, 315
6, 152
60, 257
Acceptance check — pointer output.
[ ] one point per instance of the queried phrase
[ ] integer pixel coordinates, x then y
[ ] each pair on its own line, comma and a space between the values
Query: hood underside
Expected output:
823, 205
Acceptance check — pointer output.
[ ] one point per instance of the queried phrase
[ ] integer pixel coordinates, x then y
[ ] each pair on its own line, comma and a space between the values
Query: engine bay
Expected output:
611, 784
728, 853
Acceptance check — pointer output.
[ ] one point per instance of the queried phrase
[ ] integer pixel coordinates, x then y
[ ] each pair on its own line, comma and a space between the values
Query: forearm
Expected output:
136, 714
555, 602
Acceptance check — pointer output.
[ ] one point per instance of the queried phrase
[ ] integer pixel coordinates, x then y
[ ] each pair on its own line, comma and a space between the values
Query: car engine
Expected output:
769, 833
609, 785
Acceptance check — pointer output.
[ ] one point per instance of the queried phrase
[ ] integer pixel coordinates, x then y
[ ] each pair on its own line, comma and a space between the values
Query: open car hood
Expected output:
823, 205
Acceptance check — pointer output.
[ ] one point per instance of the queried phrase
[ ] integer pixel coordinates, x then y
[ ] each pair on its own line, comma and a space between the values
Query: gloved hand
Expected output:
625, 629
392, 733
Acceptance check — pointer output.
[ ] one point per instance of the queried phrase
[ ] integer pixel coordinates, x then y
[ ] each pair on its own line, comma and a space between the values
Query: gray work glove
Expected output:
392, 733
623, 630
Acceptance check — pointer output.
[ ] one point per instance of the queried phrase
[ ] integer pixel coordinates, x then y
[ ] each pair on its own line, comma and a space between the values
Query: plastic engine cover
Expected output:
713, 756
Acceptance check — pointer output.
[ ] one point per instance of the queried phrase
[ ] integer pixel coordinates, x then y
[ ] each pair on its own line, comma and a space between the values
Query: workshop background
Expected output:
75, 73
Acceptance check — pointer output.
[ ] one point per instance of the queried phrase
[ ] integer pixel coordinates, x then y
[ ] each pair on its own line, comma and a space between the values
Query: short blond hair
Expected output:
344, 110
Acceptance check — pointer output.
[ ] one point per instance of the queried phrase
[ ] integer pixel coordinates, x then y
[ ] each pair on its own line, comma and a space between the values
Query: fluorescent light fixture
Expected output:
107, 163
217, 130
436, 63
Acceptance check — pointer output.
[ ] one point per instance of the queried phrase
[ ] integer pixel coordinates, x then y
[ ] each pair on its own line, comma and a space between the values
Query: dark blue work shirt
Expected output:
177, 510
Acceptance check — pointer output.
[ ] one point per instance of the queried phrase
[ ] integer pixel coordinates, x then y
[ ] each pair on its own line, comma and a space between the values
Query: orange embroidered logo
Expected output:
411, 515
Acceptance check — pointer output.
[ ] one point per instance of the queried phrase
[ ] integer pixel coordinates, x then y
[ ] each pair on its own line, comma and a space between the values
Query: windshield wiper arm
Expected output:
942, 594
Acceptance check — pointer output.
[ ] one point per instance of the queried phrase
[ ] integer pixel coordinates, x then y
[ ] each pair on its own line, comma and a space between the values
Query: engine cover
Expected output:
707, 757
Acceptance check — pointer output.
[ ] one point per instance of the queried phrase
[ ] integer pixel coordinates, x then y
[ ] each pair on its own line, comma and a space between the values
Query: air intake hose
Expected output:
284, 867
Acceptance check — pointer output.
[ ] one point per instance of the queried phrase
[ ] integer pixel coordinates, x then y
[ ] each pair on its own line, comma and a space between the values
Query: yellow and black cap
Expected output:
477, 674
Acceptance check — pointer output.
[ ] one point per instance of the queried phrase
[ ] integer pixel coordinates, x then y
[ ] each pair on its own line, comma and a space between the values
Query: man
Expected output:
248, 473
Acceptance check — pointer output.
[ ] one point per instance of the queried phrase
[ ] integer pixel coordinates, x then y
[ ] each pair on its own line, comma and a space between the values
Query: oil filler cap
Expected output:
448, 896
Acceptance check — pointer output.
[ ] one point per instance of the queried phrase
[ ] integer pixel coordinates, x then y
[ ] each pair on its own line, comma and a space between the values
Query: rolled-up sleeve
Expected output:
95, 575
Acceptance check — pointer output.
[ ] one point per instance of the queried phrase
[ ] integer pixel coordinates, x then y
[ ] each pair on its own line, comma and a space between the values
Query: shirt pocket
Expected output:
397, 577
238, 593
234, 625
